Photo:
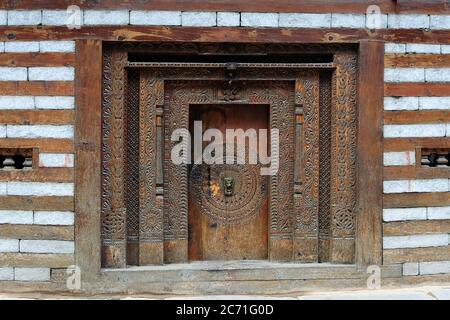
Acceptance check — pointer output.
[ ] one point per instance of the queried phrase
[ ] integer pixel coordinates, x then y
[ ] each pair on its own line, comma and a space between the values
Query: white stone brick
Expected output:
429, 103
404, 75
106, 17
198, 19
32, 274
57, 17
423, 48
21, 46
6, 274
305, 20
228, 19
438, 213
40, 131
39, 189
16, 102
2, 47
403, 158
404, 214
56, 160
440, 22
56, 218
16, 217
445, 48
3, 18
155, 18
410, 269
429, 185
397, 186
347, 20
24, 17
257, 19
408, 21
435, 267
447, 134
46, 246
13, 74
54, 102
414, 130
376, 21
395, 48
3, 185
9, 245
51, 73
57, 46
415, 241
437, 75
2, 133
401, 103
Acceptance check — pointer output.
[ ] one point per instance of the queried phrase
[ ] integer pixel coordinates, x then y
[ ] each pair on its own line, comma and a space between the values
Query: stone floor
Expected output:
416, 293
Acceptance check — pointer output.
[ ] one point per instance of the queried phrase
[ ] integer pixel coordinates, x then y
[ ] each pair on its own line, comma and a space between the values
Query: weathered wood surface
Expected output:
26, 117
36, 59
414, 89
87, 160
411, 200
370, 149
224, 34
39, 175
417, 60
414, 172
44, 145
416, 116
36, 203
37, 88
36, 232
416, 255
407, 228
405, 144
316, 6
39, 260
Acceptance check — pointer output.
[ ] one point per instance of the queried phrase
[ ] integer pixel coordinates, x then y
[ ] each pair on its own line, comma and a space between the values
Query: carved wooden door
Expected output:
228, 202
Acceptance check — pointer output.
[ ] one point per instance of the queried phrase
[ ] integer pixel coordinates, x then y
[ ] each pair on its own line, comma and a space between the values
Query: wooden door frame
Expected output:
88, 93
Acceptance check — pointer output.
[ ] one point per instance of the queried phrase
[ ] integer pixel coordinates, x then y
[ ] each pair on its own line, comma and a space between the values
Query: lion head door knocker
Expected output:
228, 186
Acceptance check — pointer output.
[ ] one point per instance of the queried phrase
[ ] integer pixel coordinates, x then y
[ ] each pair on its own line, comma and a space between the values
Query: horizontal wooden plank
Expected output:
39, 175
350, 6
36, 203
405, 144
37, 116
224, 34
44, 145
416, 255
37, 88
417, 116
411, 200
32, 260
407, 228
37, 59
36, 232
413, 172
413, 89
417, 60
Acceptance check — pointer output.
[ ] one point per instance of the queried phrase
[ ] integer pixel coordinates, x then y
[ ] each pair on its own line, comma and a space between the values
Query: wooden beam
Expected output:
411, 200
316, 6
33, 260
414, 89
44, 145
416, 255
370, 153
87, 161
37, 117
36, 232
417, 116
224, 34
36, 59
414, 172
37, 88
405, 144
38, 175
36, 203
417, 60
407, 228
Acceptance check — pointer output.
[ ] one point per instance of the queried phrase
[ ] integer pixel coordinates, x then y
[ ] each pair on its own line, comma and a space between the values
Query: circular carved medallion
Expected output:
228, 193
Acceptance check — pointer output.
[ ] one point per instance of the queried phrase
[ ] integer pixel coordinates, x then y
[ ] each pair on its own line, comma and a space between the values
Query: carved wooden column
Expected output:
150, 210
113, 205
344, 157
307, 203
